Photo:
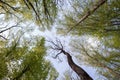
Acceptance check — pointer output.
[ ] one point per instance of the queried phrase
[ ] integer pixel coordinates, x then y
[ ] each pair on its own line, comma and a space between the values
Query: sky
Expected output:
60, 63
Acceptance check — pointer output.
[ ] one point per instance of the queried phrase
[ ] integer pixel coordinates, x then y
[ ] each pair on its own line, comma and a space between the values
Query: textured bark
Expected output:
81, 73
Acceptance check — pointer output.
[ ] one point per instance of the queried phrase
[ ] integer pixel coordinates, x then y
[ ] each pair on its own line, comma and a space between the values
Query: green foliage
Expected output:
25, 63
105, 59
100, 23
41, 12
28, 63
3, 65
103, 24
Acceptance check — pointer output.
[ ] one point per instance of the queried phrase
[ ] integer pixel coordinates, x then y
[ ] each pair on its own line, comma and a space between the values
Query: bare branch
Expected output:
26, 4
3, 37
8, 11
81, 73
10, 27
7, 29
57, 54
56, 46
8, 5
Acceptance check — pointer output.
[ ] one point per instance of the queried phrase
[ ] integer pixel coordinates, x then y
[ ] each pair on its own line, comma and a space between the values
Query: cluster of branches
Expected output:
31, 5
6, 28
60, 49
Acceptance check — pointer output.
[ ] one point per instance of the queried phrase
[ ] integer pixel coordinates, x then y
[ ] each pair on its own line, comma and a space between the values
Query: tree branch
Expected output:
37, 14
8, 5
80, 72
97, 61
10, 27
3, 37
101, 2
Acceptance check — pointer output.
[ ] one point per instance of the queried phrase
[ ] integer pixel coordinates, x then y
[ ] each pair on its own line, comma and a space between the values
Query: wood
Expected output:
81, 73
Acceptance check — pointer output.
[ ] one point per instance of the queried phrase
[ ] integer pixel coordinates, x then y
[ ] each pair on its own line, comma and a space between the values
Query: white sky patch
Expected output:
93, 41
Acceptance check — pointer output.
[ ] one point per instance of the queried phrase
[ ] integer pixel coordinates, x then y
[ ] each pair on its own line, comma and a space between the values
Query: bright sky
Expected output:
61, 65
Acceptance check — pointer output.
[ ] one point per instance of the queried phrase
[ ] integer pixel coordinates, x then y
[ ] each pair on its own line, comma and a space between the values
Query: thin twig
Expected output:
57, 45
10, 27
8, 5
3, 37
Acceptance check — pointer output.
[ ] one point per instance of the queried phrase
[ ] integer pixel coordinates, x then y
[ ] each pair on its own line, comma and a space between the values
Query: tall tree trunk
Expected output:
81, 73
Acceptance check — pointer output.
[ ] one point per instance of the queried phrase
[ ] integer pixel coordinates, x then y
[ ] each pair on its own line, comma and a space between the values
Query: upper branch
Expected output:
7, 5
101, 2
81, 72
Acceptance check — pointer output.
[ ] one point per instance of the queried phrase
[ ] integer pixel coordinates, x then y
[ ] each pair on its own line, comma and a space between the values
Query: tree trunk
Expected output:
81, 73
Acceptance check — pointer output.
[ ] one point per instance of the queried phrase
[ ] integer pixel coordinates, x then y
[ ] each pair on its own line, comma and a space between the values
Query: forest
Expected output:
59, 39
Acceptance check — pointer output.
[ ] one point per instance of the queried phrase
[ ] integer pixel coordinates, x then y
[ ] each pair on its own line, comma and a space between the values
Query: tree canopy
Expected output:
103, 25
42, 12
93, 24
25, 63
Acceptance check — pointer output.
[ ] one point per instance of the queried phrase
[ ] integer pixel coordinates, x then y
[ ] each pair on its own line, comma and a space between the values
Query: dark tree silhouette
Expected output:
81, 72
6, 28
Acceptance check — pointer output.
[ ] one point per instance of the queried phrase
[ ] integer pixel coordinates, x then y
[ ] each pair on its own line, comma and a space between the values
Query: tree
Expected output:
24, 63
105, 61
39, 11
3, 66
18, 60
97, 23
97, 18
102, 24
80, 72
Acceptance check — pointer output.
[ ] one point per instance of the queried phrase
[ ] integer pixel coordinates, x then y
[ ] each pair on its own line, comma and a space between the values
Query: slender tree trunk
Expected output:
81, 73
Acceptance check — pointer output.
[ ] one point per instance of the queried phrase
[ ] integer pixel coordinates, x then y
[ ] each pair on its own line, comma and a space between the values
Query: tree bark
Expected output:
81, 73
